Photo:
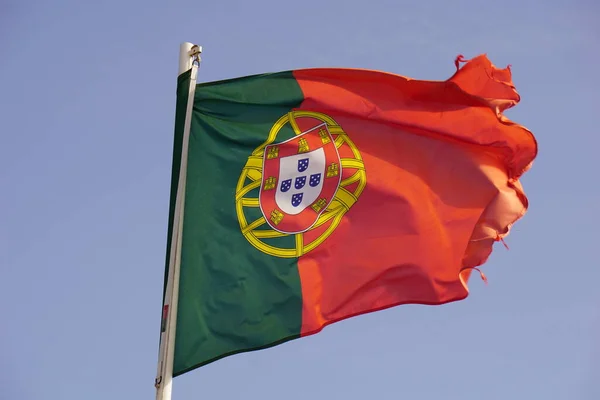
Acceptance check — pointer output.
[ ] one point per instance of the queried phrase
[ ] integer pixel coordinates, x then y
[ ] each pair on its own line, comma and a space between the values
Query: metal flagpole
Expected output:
189, 57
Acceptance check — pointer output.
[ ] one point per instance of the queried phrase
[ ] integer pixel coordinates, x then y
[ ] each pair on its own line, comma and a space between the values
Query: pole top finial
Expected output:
189, 55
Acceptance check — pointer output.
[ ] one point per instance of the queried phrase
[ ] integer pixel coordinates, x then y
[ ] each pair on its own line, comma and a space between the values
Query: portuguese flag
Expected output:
320, 194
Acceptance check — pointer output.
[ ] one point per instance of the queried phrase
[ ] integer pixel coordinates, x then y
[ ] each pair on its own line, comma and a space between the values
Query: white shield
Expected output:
300, 180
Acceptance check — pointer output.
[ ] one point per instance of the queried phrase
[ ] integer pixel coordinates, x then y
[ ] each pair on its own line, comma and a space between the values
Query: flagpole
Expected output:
189, 58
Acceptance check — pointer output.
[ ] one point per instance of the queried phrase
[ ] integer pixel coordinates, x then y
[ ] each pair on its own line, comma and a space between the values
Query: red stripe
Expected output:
441, 170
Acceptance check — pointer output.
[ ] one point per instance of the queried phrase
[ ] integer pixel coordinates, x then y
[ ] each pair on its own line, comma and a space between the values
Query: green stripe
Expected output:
233, 298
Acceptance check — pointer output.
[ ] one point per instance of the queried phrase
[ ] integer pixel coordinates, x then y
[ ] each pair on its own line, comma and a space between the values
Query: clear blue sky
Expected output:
87, 94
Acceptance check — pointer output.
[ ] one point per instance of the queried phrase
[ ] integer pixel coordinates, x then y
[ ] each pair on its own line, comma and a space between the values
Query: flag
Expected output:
317, 195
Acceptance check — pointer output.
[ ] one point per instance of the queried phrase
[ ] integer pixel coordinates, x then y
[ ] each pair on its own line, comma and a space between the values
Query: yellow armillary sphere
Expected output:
299, 187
